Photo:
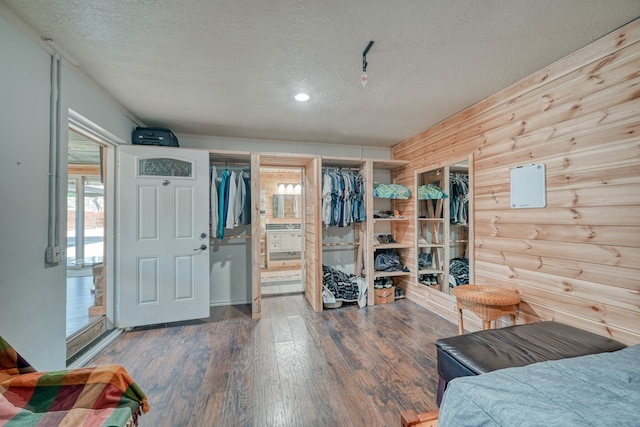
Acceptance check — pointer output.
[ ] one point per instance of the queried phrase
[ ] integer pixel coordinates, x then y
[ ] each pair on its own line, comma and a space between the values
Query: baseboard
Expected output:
92, 351
229, 302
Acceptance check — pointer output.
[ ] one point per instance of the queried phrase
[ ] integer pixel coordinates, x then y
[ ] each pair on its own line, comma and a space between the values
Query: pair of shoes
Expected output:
382, 282
399, 293
385, 239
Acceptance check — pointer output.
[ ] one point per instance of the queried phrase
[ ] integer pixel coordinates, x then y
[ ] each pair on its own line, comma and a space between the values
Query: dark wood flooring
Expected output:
294, 367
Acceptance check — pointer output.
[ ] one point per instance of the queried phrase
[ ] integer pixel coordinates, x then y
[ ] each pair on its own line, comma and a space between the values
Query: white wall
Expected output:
268, 146
32, 297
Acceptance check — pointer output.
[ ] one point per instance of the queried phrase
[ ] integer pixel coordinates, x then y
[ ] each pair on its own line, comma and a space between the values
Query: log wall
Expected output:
577, 260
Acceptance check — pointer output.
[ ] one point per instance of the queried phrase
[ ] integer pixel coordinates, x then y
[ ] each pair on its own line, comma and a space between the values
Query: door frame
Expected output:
88, 129
312, 276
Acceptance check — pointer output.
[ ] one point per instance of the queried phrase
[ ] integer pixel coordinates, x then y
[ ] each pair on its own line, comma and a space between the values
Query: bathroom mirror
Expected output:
286, 205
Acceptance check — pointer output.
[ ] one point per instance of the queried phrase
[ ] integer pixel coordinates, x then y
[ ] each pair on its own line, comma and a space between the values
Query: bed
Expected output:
595, 390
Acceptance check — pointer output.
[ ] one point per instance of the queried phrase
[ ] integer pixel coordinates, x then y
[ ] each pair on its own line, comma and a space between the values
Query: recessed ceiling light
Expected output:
302, 97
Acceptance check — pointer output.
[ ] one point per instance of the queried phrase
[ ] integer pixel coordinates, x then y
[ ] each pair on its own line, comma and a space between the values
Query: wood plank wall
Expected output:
577, 260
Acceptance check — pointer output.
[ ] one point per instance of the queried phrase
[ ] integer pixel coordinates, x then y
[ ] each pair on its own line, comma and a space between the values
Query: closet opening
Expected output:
281, 230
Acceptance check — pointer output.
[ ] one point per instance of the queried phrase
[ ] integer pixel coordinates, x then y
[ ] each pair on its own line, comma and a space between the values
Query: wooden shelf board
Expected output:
392, 246
391, 219
391, 273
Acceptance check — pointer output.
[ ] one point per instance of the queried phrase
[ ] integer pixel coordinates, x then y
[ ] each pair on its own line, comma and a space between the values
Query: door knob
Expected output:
201, 248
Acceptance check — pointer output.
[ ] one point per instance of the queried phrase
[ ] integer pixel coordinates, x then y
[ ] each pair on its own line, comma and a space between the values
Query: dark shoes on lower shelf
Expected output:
383, 282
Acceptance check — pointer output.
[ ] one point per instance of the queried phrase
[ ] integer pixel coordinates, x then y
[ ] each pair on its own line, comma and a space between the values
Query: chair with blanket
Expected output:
102, 395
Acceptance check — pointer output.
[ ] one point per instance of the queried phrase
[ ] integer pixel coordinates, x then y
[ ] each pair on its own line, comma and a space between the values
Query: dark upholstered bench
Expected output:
489, 350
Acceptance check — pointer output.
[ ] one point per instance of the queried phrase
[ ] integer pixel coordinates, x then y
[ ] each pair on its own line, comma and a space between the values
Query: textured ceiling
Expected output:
232, 67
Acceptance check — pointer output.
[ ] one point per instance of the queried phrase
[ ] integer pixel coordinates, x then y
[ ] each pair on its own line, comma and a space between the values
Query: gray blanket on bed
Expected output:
596, 390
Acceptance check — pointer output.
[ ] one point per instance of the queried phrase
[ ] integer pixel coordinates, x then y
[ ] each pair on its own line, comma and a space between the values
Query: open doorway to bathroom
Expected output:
86, 306
281, 230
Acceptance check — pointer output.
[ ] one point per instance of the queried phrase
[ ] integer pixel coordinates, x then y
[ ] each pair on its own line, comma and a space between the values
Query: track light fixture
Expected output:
363, 77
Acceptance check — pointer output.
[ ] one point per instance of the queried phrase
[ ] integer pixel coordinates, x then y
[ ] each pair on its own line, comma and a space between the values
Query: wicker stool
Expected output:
488, 302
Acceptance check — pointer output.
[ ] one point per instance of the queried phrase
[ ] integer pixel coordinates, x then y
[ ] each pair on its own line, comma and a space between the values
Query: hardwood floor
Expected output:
293, 367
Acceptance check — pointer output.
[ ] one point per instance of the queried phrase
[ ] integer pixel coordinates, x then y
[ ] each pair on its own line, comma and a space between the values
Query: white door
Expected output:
162, 235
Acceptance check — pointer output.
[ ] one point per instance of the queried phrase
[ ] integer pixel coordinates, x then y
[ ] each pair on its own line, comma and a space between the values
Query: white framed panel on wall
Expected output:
528, 187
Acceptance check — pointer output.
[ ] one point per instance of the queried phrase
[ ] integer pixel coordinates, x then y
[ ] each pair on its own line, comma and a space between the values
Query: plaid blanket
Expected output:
103, 395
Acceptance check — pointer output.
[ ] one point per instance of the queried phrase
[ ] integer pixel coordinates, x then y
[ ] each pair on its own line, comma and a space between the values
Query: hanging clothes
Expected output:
459, 201
240, 200
223, 202
245, 215
213, 201
342, 197
231, 202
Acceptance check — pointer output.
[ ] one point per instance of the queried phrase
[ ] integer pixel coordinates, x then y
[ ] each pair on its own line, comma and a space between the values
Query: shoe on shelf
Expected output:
388, 283
390, 239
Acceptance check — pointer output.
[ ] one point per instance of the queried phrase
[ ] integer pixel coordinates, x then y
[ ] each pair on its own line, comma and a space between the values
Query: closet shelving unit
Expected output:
430, 228
358, 234
397, 227
435, 234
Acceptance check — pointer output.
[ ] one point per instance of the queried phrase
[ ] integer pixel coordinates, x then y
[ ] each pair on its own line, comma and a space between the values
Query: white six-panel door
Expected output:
162, 235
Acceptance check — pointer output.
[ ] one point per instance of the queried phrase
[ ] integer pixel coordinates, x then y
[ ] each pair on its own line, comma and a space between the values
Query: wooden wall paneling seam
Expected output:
616, 154
615, 194
569, 184
572, 138
491, 124
619, 256
598, 50
593, 234
539, 283
597, 215
544, 145
599, 273
503, 123
623, 335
